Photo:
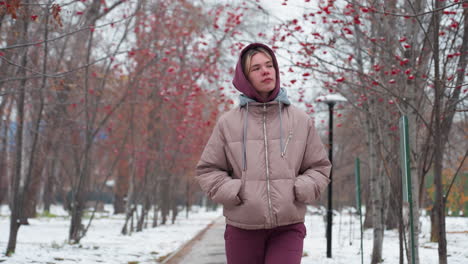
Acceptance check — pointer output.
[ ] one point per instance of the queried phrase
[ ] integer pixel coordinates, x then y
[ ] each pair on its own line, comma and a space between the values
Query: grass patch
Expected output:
47, 214
98, 215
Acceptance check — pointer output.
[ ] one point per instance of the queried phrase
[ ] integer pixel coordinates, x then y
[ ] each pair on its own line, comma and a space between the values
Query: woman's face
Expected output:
262, 74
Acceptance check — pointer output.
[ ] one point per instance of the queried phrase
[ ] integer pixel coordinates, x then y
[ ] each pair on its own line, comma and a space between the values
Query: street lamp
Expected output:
330, 100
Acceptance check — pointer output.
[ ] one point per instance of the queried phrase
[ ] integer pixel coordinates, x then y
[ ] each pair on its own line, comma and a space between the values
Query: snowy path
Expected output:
210, 248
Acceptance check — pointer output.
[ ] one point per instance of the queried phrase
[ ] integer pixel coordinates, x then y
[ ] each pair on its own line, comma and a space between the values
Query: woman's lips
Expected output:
267, 80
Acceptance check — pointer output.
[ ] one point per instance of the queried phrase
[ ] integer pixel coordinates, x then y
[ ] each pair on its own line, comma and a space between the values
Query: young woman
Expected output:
263, 162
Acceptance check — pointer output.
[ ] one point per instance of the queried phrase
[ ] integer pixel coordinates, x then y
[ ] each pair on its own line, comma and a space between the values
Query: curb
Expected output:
178, 254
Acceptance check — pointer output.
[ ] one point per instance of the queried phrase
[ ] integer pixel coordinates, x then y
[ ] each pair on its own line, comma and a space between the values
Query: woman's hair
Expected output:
247, 58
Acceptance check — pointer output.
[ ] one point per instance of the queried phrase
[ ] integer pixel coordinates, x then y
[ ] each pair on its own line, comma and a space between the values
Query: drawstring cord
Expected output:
281, 129
244, 136
244, 140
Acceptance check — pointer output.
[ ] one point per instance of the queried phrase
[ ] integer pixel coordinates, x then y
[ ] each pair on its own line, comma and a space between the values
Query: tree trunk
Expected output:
129, 209
154, 198
16, 205
392, 217
175, 212
119, 204
30, 202
368, 222
165, 201
121, 187
375, 190
33, 188
155, 215
76, 227
439, 204
385, 200
79, 191
48, 196
438, 210
131, 205
144, 212
434, 225
141, 219
129, 216
188, 199
4, 128
412, 91
173, 199
90, 113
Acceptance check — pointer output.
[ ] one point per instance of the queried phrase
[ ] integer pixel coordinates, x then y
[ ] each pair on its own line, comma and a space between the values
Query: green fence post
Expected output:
357, 172
406, 172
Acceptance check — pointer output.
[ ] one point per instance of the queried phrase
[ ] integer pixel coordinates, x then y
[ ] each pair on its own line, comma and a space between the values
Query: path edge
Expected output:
179, 253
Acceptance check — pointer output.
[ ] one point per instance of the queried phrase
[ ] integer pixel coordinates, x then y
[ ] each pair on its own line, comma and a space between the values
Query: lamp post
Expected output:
330, 100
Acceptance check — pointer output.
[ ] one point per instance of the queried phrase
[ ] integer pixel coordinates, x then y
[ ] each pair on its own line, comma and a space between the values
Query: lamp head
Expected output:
331, 99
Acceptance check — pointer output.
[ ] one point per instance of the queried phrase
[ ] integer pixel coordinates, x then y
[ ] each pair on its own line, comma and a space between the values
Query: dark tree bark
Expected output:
17, 203
83, 171
49, 184
165, 197
4, 128
439, 204
121, 187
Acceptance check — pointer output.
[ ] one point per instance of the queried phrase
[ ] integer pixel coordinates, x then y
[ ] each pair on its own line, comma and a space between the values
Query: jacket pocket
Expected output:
285, 203
253, 211
227, 194
241, 193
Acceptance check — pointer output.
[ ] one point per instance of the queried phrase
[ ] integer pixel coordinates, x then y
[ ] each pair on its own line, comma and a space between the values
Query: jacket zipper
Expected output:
266, 163
286, 145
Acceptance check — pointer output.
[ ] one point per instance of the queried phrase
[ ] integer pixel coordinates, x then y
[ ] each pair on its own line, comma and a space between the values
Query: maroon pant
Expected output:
265, 246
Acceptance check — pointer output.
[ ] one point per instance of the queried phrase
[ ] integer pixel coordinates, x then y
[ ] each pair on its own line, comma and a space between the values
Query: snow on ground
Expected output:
44, 240
346, 241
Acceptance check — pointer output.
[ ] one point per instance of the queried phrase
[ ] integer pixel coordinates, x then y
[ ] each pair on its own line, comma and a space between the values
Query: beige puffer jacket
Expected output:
263, 163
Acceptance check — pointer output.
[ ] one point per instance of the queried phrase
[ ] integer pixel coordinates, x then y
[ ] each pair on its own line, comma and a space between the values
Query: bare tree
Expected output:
18, 190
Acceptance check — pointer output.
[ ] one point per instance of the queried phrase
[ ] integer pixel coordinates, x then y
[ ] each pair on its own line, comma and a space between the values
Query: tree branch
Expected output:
455, 175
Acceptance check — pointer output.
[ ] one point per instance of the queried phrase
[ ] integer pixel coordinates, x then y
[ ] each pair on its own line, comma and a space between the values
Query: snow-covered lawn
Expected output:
346, 242
44, 240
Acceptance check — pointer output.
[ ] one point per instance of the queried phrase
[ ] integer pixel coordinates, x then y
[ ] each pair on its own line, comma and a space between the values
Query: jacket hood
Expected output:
282, 97
243, 85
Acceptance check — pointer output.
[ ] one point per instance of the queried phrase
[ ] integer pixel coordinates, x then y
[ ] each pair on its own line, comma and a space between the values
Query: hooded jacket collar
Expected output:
243, 85
282, 98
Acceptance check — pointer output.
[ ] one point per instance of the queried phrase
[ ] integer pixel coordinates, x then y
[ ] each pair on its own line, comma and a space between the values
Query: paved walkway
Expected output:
209, 248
